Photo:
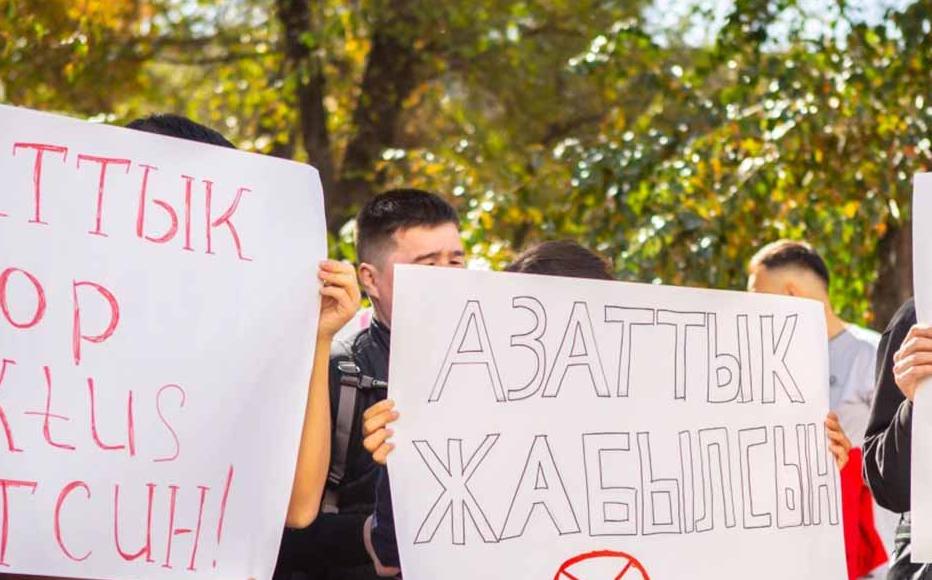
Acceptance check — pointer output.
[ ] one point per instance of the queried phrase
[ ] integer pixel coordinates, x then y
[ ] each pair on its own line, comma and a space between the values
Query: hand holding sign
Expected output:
375, 430
340, 297
838, 442
913, 361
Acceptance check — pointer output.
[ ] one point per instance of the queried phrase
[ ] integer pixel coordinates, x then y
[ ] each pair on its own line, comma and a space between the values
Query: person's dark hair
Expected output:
562, 258
181, 127
791, 253
396, 210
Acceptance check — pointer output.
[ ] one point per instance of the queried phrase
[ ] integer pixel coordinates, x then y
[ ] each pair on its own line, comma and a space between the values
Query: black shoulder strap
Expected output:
352, 380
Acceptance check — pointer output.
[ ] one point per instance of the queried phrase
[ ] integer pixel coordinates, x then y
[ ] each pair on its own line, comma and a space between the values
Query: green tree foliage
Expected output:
58, 54
540, 118
746, 142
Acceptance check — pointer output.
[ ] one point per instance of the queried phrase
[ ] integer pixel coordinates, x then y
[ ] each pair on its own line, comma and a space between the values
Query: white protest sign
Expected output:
158, 308
921, 484
564, 428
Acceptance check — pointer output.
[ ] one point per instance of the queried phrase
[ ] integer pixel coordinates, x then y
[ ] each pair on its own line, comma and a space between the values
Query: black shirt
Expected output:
369, 349
887, 442
383, 524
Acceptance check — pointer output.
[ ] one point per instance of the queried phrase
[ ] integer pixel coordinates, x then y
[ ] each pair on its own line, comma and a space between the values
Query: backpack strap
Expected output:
352, 380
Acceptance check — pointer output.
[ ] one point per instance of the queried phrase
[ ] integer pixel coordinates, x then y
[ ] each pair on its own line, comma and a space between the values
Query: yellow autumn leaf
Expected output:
851, 209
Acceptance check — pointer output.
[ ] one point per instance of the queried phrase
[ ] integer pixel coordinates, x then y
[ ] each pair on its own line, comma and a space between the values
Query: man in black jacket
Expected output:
904, 359
404, 226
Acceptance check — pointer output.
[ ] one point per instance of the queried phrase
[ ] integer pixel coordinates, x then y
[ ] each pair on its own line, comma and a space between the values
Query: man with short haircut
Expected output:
404, 226
794, 268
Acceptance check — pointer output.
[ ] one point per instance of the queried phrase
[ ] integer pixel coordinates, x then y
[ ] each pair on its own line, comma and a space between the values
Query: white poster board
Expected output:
921, 494
564, 428
158, 308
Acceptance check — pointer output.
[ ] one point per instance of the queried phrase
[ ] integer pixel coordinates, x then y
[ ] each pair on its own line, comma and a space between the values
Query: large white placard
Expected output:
921, 484
159, 308
564, 428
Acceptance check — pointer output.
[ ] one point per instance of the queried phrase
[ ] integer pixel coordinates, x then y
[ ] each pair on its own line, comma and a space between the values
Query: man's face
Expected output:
429, 246
767, 281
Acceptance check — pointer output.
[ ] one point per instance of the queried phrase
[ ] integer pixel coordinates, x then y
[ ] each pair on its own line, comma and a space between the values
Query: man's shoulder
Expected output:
866, 338
360, 321
363, 349
904, 318
343, 347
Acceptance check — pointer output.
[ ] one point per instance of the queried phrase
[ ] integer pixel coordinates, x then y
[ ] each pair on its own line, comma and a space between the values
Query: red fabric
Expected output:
864, 550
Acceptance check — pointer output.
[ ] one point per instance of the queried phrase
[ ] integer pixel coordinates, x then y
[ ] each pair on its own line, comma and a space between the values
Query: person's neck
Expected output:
834, 324
378, 315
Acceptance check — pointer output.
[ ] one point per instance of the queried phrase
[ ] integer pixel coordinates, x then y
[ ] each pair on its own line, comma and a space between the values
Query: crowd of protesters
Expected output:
340, 523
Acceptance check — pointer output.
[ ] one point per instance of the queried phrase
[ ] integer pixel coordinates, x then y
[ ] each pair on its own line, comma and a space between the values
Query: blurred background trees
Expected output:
675, 137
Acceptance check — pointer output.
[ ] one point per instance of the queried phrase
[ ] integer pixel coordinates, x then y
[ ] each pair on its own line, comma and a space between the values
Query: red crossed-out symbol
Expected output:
602, 565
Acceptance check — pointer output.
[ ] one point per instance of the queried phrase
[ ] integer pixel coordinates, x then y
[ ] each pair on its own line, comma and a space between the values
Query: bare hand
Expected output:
838, 442
913, 362
340, 297
375, 430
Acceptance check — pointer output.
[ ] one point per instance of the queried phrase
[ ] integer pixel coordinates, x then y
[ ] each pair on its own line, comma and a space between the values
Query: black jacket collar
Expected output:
380, 333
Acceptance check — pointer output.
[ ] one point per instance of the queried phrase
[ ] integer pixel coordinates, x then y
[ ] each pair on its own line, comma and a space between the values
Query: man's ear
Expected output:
367, 274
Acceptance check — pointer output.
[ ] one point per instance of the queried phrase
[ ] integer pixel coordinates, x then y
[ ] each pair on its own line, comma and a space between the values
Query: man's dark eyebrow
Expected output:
428, 256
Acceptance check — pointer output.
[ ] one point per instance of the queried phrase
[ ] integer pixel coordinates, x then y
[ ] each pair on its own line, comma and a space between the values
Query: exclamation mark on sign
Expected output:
223, 507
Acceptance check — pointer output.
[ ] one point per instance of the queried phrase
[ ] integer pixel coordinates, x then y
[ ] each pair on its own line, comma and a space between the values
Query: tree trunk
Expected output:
310, 88
894, 283
392, 72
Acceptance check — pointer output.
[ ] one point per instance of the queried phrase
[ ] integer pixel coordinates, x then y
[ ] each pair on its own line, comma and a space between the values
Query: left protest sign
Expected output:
158, 308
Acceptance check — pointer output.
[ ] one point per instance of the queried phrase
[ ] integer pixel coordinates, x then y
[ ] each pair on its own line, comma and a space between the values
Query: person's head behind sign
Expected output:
180, 127
562, 258
404, 226
791, 268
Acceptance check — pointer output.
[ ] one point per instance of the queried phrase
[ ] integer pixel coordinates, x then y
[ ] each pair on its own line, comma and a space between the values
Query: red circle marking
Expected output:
632, 563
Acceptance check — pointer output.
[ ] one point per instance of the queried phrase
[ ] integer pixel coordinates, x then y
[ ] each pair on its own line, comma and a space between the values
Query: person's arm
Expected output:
339, 302
887, 442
